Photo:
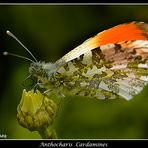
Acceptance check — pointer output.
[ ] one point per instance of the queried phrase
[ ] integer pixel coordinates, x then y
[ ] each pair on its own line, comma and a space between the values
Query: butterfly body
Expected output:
112, 64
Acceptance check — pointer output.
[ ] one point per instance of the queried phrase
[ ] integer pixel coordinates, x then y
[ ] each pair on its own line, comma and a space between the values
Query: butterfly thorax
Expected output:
43, 71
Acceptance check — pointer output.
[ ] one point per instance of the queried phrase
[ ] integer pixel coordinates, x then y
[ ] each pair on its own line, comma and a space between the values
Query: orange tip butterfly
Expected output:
112, 64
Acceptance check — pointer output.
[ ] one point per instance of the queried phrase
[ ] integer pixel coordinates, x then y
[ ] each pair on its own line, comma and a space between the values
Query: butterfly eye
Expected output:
39, 81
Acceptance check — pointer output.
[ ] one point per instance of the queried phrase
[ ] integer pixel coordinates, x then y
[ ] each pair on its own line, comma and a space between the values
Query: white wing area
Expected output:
85, 47
128, 87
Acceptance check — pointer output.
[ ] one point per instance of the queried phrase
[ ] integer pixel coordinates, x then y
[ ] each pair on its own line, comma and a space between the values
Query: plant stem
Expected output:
48, 133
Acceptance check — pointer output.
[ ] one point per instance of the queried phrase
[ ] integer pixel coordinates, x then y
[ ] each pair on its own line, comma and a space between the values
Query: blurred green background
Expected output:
50, 32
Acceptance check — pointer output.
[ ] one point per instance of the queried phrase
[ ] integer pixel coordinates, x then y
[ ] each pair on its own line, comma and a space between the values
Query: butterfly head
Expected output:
36, 69
41, 70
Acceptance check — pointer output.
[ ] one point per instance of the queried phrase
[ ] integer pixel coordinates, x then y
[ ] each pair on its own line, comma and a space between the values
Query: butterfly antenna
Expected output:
16, 55
13, 36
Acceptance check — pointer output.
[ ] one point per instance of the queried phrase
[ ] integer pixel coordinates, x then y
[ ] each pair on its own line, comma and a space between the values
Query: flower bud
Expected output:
35, 111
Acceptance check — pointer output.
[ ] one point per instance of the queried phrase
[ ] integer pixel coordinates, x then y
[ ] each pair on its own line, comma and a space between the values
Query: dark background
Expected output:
50, 32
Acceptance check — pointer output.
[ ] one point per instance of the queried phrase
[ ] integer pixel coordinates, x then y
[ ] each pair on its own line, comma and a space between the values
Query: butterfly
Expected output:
112, 64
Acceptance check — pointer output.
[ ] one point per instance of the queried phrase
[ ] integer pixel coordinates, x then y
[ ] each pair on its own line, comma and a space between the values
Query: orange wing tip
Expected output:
123, 32
144, 27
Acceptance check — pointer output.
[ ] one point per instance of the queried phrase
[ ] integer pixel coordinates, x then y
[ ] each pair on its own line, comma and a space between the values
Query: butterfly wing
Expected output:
116, 69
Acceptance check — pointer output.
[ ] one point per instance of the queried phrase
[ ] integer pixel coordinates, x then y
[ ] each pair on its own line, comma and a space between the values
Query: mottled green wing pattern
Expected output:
107, 72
